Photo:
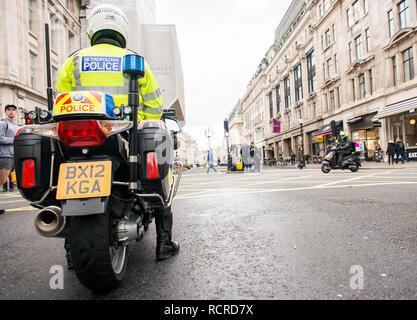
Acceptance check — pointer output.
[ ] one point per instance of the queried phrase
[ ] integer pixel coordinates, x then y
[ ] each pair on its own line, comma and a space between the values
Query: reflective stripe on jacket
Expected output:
99, 68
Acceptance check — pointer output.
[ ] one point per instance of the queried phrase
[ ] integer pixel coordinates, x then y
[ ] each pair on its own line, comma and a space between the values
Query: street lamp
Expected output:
209, 133
300, 121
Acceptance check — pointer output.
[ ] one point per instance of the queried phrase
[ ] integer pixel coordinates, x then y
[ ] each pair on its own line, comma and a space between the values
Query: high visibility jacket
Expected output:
99, 68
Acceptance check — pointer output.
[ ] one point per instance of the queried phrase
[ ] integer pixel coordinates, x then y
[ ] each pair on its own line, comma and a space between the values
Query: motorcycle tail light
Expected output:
28, 174
152, 165
81, 133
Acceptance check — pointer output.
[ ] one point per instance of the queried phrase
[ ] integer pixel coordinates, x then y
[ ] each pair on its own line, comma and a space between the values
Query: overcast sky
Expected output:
221, 44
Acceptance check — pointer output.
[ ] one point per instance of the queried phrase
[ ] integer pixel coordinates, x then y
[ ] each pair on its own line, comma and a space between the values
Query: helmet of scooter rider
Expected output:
344, 135
109, 22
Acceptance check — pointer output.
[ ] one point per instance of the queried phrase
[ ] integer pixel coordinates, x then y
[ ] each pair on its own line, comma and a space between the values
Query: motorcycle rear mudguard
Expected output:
89, 206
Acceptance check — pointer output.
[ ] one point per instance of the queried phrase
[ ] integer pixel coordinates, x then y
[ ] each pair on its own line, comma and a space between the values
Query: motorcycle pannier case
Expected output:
32, 160
155, 157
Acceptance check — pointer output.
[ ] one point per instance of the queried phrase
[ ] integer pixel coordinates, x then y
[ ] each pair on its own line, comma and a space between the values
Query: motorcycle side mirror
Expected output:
173, 125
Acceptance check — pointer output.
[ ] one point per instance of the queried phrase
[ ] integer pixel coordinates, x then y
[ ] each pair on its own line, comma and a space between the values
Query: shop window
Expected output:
408, 62
411, 130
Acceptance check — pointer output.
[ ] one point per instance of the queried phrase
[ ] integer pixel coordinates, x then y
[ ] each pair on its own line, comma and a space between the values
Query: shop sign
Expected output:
376, 124
319, 138
412, 154
360, 146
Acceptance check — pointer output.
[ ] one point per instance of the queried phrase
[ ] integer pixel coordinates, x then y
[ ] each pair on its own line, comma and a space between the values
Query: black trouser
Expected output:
390, 159
340, 155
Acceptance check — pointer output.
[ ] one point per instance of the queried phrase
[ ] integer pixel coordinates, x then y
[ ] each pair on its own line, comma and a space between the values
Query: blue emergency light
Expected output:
134, 66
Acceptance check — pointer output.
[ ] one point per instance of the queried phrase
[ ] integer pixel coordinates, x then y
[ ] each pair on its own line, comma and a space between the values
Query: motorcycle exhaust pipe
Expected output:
49, 222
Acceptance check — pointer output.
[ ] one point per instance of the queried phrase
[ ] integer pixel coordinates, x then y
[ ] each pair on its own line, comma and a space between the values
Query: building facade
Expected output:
23, 54
343, 60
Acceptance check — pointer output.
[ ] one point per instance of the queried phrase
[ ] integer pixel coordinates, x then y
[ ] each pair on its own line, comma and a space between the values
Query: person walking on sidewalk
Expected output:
8, 129
399, 150
391, 152
293, 156
210, 161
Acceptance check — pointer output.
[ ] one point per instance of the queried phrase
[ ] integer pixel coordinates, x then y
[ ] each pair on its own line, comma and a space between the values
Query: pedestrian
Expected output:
378, 153
399, 150
8, 185
293, 156
8, 129
210, 161
391, 152
365, 149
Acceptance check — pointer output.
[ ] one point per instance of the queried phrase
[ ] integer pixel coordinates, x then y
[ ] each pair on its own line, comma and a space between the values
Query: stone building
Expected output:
350, 61
23, 54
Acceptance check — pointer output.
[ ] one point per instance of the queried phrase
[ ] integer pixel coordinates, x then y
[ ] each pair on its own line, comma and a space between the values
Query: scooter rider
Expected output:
99, 68
346, 148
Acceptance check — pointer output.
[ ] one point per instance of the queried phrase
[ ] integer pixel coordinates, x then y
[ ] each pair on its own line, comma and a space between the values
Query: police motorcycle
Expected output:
351, 162
97, 178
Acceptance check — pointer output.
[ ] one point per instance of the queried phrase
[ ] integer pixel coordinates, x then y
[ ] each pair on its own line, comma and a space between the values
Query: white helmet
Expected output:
108, 17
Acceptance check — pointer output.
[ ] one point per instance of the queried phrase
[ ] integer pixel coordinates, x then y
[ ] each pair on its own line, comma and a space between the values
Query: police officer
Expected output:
346, 148
99, 68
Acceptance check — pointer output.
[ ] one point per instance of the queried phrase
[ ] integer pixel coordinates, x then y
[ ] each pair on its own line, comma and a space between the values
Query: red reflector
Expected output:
152, 164
81, 133
28, 175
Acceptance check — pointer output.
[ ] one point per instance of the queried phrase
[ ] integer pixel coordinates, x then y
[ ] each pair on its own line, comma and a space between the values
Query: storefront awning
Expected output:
324, 131
397, 108
362, 122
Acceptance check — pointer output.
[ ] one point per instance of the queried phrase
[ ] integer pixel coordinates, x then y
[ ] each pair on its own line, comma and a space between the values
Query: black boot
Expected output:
165, 248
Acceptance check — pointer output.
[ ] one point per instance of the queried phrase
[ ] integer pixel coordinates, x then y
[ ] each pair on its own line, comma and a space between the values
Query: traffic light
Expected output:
226, 126
337, 126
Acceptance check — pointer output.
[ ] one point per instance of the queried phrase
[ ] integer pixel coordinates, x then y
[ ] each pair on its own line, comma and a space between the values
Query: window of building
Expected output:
320, 10
311, 72
349, 17
334, 32
336, 64
314, 111
31, 15
326, 4
278, 97
365, 7
394, 70
390, 23
332, 101
408, 63
362, 89
350, 52
322, 42
54, 30
368, 40
298, 82
371, 81
404, 13
353, 90
356, 12
32, 59
339, 102
358, 46
287, 91
271, 105
327, 35
330, 68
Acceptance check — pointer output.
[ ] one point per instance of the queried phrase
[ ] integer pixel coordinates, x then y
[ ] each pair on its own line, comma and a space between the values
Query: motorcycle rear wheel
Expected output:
325, 168
98, 264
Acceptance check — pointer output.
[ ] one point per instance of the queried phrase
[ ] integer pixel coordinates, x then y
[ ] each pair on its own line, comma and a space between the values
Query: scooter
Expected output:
351, 162
98, 176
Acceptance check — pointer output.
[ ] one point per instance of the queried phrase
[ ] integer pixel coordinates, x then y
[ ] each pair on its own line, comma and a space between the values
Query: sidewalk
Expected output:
365, 165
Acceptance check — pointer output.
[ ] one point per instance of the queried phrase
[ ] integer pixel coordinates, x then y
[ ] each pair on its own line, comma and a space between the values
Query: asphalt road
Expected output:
279, 234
